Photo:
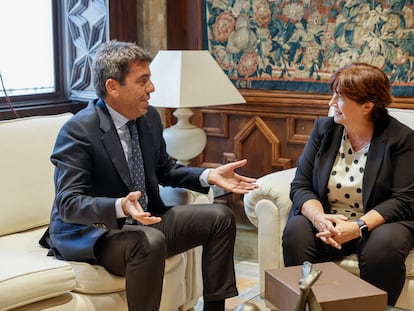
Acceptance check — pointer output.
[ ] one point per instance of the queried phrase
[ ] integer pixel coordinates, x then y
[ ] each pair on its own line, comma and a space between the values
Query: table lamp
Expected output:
185, 79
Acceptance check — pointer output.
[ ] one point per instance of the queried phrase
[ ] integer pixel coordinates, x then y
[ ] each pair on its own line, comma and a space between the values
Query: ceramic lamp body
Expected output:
186, 79
184, 141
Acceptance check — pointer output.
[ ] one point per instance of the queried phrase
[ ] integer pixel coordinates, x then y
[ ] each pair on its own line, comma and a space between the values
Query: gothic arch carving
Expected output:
257, 124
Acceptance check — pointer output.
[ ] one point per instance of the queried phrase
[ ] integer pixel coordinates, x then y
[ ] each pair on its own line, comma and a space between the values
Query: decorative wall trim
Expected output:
257, 124
298, 129
87, 27
221, 130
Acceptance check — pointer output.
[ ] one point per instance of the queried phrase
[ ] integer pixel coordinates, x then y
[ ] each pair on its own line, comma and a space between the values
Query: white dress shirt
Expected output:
120, 123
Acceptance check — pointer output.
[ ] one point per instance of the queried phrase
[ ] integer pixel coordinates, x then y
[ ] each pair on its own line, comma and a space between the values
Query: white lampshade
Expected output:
185, 79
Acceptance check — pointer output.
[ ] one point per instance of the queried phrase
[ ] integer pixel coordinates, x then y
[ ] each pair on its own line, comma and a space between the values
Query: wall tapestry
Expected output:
297, 44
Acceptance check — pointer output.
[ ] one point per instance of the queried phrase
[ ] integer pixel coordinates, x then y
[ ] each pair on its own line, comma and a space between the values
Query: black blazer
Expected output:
91, 172
388, 183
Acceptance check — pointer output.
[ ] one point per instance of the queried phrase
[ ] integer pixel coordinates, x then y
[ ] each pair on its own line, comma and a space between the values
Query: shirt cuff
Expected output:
204, 176
118, 209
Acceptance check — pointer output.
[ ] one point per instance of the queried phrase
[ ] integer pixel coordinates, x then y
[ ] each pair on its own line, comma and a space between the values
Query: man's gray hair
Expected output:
112, 61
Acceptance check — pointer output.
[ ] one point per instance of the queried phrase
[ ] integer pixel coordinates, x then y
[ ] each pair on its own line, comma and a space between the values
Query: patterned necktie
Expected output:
136, 165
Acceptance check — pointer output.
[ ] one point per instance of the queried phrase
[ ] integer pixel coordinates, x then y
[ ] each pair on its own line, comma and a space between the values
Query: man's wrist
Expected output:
120, 208
204, 177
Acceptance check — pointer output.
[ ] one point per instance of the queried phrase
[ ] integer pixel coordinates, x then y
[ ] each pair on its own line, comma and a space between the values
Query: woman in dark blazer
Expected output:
354, 186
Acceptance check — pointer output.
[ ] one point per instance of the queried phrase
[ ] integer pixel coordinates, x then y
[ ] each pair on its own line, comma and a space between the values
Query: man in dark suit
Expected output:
101, 216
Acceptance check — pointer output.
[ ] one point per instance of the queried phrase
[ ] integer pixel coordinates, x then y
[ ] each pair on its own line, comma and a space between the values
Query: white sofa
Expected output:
268, 208
30, 280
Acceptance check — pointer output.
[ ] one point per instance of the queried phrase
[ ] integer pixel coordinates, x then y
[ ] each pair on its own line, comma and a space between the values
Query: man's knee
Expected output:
148, 243
225, 215
217, 214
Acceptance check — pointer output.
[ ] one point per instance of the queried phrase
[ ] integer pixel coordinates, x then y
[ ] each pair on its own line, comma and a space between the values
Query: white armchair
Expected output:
268, 208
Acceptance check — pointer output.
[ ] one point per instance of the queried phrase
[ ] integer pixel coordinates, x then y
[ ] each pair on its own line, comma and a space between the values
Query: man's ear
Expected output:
112, 87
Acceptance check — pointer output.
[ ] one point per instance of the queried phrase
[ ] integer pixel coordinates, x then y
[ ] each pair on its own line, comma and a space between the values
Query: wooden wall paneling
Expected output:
246, 142
298, 129
184, 25
270, 130
268, 125
123, 20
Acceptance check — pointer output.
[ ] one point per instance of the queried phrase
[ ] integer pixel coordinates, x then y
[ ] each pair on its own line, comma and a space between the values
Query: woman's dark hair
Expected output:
364, 83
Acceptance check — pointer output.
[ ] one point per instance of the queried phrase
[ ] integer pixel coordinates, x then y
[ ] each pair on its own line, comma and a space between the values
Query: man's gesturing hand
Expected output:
131, 207
225, 178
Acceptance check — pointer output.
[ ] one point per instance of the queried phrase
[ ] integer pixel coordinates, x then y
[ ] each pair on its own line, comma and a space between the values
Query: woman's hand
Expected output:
349, 230
326, 224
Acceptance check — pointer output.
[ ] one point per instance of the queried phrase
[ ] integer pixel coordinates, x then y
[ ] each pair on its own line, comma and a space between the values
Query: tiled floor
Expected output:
247, 277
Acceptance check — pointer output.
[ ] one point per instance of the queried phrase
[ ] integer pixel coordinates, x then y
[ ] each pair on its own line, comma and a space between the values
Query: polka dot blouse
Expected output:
345, 181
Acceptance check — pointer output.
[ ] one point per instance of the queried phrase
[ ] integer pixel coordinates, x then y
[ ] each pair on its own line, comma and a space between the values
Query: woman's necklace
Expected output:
357, 143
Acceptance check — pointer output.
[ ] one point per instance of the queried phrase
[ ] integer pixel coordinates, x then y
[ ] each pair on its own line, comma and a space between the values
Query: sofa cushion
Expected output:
94, 279
350, 263
27, 274
26, 171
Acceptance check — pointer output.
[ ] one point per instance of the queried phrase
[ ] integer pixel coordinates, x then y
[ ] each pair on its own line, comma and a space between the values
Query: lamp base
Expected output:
184, 140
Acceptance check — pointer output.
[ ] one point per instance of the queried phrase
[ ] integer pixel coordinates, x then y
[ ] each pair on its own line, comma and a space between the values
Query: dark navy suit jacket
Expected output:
91, 172
388, 184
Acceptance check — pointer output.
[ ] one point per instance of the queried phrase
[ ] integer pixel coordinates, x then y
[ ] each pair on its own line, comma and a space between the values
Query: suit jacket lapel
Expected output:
373, 166
375, 155
331, 145
112, 144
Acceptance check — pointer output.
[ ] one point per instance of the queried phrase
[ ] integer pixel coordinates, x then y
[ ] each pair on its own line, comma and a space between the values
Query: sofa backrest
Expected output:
405, 116
26, 173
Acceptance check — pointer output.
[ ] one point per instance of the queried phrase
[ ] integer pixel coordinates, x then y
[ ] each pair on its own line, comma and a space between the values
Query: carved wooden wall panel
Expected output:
270, 130
87, 27
87, 23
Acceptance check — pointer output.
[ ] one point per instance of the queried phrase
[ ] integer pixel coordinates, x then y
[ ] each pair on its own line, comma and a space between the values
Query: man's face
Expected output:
131, 99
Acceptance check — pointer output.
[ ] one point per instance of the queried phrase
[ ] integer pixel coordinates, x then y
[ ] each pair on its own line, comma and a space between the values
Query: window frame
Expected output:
58, 96
122, 25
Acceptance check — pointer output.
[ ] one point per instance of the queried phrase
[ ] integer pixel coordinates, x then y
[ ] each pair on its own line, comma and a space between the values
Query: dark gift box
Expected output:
335, 290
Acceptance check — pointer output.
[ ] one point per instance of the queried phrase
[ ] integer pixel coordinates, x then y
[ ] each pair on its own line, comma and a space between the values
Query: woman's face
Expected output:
346, 111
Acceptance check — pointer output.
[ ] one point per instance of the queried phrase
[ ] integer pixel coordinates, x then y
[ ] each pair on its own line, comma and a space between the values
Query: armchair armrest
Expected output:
268, 208
180, 196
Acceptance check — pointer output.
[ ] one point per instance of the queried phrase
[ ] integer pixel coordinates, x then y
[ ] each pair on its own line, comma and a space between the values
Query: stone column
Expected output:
152, 24
152, 29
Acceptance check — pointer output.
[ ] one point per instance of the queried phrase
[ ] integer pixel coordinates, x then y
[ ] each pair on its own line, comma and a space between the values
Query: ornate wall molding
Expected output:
87, 27
271, 142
